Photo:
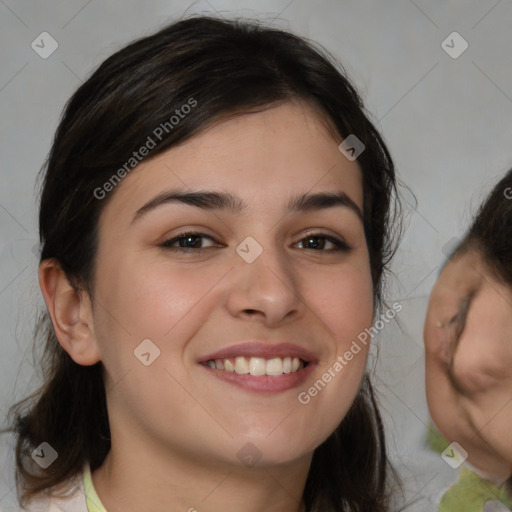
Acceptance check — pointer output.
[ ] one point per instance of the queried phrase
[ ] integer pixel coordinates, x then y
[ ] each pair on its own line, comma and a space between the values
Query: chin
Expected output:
271, 451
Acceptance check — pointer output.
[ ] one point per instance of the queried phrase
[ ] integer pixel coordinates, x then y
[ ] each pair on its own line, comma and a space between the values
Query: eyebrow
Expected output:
208, 200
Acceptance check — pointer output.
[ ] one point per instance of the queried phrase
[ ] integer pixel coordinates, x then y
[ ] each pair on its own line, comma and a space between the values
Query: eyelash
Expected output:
340, 245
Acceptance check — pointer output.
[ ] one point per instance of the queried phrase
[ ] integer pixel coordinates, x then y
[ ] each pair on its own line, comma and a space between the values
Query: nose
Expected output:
266, 290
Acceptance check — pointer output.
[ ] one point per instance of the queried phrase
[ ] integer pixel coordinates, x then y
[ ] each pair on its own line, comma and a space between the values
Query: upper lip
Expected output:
265, 350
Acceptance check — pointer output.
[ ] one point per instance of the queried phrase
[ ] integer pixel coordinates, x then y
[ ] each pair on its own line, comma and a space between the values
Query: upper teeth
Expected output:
258, 365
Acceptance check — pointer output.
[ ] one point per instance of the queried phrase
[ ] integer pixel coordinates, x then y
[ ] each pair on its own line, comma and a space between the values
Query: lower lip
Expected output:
263, 383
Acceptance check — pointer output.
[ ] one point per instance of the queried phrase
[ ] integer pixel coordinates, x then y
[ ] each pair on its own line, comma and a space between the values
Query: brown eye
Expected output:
323, 243
188, 241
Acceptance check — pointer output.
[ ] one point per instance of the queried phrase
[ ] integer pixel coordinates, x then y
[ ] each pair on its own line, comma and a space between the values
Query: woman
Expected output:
215, 227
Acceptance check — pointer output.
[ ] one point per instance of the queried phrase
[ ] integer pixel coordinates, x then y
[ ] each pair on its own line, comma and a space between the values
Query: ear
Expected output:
71, 314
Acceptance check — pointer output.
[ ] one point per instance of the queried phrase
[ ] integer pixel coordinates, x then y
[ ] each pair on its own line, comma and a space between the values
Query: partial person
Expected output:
468, 344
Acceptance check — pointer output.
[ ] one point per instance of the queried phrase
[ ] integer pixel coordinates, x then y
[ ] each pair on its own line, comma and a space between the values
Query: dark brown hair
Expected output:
228, 68
491, 231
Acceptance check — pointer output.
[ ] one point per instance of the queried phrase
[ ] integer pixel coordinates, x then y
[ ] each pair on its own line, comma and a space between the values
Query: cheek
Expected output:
134, 305
344, 302
151, 297
160, 303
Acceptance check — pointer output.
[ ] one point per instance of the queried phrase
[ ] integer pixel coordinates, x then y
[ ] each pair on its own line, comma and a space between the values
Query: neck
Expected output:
148, 478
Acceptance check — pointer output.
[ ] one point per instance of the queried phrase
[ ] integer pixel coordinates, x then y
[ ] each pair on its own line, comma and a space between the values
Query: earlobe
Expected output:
70, 312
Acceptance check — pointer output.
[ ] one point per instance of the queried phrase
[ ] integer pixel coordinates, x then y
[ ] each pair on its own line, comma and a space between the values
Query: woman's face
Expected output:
275, 277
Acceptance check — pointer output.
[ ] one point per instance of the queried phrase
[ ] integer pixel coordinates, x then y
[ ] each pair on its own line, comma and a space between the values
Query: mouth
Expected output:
261, 367
258, 366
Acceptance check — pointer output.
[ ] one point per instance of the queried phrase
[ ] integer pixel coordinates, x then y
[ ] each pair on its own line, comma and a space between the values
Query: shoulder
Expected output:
69, 499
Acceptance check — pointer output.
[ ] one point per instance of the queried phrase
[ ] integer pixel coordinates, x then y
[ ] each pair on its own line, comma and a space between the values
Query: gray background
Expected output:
448, 123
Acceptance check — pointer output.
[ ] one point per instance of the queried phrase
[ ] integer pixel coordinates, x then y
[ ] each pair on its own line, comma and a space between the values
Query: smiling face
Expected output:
262, 267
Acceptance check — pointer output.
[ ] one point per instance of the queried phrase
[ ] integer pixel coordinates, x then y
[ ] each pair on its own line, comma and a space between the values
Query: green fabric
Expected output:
434, 439
470, 492
93, 501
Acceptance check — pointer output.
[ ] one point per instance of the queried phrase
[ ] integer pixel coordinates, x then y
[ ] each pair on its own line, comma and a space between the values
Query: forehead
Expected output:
264, 157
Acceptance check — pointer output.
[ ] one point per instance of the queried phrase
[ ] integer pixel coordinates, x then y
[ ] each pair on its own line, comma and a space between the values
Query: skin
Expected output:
468, 332
176, 429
